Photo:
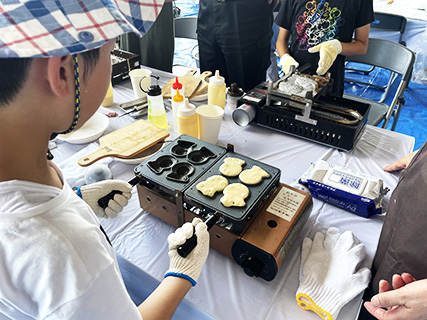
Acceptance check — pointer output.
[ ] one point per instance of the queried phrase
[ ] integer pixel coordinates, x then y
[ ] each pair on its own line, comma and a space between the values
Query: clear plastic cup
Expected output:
209, 118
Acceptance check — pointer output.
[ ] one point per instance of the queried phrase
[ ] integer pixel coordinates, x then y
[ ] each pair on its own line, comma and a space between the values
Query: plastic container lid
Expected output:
178, 97
154, 90
177, 84
186, 109
216, 80
235, 91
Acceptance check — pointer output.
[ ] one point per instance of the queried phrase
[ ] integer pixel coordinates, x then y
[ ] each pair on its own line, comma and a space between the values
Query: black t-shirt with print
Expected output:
311, 22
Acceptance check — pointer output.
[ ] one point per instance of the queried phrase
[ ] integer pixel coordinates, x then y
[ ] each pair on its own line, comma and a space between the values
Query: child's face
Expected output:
94, 87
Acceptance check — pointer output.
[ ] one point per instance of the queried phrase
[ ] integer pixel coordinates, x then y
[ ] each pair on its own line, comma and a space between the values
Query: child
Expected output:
55, 262
321, 34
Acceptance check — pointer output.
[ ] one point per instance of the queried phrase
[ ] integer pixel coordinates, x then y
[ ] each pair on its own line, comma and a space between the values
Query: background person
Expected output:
234, 37
400, 256
322, 33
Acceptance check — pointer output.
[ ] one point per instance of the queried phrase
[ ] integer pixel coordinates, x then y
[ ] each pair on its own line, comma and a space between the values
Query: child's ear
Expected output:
60, 75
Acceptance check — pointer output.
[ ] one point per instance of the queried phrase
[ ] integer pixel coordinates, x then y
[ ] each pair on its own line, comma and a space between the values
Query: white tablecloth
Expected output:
223, 290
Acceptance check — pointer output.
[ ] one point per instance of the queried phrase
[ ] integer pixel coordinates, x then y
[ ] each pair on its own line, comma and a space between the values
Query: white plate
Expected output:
200, 97
143, 155
90, 131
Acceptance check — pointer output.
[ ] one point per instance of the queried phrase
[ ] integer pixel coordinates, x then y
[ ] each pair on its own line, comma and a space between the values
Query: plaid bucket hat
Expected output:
37, 28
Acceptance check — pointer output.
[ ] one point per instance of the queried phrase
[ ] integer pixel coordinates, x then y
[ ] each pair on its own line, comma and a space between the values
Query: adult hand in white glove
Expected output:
287, 61
328, 276
91, 193
190, 267
328, 51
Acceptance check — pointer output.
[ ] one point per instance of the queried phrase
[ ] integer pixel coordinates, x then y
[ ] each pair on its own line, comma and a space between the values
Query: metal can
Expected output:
244, 114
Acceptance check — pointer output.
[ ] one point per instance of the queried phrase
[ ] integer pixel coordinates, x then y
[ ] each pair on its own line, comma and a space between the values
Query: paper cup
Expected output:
209, 118
135, 77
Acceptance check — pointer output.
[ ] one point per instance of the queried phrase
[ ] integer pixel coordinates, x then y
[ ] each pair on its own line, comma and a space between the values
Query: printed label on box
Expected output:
286, 204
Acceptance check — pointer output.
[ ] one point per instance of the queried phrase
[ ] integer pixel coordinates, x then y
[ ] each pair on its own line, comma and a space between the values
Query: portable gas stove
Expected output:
310, 114
257, 236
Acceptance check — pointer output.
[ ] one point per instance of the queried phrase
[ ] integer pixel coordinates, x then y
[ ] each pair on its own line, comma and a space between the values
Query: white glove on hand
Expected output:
190, 267
328, 51
328, 276
91, 193
287, 61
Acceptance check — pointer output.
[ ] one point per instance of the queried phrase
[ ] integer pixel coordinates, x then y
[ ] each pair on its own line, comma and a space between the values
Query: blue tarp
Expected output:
413, 117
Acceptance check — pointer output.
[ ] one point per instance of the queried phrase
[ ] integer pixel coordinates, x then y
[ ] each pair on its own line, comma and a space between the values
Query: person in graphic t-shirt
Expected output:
322, 32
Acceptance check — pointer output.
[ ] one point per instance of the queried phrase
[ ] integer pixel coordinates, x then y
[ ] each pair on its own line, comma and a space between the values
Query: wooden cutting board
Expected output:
203, 86
189, 82
126, 142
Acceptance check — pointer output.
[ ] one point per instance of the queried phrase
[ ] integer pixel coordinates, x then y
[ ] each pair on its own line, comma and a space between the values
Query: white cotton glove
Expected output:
91, 193
190, 267
328, 51
328, 276
287, 61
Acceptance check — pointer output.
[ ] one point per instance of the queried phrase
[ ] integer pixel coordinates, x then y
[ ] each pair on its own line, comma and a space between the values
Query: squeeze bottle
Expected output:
187, 119
108, 100
177, 86
156, 108
216, 90
177, 100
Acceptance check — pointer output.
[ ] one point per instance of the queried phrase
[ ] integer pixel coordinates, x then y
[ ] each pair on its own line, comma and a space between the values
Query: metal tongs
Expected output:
274, 85
292, 70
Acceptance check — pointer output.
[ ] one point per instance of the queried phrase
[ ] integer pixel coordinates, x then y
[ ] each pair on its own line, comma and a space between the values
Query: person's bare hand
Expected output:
405, 302
402, 163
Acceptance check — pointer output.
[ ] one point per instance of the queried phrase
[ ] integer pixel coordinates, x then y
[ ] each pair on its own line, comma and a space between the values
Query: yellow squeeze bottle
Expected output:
216, 90
187, 119
108, 100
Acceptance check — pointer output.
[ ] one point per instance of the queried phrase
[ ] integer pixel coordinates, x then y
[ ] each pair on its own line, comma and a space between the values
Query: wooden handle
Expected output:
205, 75
95, 156
202, 87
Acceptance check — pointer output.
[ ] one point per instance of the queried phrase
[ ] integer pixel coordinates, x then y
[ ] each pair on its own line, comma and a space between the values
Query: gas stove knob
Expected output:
252, 266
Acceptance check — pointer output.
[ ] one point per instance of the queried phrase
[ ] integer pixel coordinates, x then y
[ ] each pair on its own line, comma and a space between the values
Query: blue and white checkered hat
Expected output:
38, 28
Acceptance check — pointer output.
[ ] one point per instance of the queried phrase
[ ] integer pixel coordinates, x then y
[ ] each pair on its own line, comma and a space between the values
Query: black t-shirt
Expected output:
310, 22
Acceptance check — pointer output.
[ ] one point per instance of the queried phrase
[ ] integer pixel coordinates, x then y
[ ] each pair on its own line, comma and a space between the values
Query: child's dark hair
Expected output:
14, 73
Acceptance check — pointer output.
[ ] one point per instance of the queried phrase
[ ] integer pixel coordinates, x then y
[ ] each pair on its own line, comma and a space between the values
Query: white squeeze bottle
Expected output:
156, 108
216, 90
177, 100
187, 119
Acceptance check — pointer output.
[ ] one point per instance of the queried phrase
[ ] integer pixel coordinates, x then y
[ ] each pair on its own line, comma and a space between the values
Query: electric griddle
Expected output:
257, 236
315, 115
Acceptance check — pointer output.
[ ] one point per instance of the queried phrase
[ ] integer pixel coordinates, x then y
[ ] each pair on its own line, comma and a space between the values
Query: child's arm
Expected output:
182, 273
359, 45
282, 43
162, 303
329, 50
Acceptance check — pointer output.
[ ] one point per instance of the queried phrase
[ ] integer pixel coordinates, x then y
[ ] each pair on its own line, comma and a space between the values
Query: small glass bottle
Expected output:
177, 86
187, 119
177, 100
234, 93
216, 90
156, 108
